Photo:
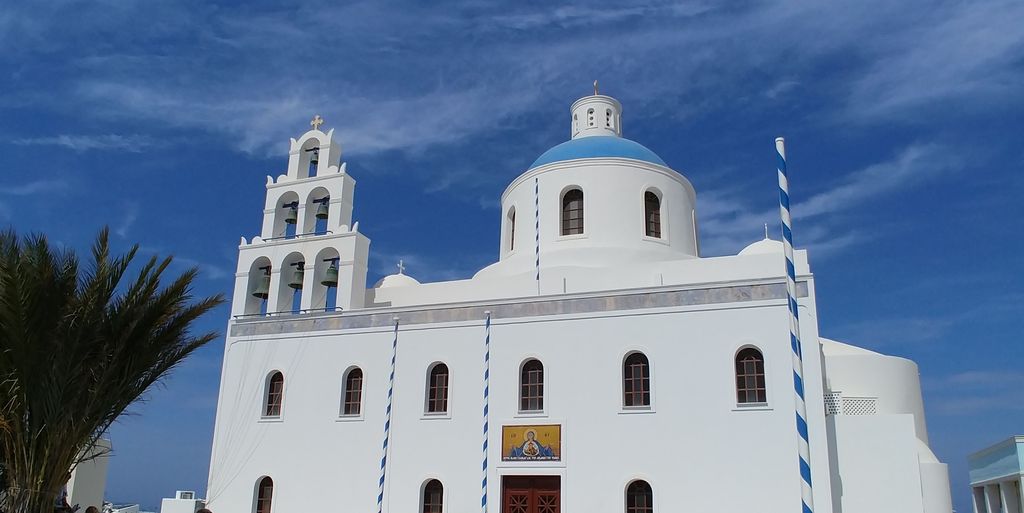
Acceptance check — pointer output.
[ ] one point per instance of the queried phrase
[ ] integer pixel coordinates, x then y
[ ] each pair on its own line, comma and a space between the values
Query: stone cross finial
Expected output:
401, 267
317, 121
595, 88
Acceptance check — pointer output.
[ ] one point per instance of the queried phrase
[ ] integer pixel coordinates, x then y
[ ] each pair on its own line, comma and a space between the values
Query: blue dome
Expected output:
595, 147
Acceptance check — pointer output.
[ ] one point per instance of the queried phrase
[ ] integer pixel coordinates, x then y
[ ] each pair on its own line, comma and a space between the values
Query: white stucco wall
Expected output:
89, 478
312, 455
877, 464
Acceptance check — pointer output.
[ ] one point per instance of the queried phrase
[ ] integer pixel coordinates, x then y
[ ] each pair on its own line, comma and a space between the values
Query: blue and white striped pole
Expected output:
487, 401
536, 227
387, 423
806, 491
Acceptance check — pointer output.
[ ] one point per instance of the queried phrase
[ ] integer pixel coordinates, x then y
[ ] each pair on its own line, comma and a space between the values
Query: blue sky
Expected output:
903, 122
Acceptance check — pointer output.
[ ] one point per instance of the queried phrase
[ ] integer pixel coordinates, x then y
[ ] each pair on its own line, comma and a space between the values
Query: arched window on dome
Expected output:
639, 497
264, 495
433, 497
572, 212
531, 386
636, 381
274, 396
590, 117
750, 380
652, 214
352, 394
437, 389
511, 221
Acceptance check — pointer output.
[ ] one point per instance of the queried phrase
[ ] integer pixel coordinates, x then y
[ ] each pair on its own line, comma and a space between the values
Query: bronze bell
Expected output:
321, 210
262, 289
297, 276
292, 216
330, 277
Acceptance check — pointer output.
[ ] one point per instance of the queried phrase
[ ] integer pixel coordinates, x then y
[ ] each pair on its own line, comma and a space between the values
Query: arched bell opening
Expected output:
325, 281
309, 158
292, 278
286, 215
258, 287
317, 212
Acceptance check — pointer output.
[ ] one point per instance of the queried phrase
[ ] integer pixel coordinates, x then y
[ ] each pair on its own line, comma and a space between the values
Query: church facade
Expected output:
600, 365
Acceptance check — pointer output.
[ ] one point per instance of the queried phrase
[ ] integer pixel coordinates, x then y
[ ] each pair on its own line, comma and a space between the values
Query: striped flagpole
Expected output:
387, 423
807, 496
536, 228
487, 401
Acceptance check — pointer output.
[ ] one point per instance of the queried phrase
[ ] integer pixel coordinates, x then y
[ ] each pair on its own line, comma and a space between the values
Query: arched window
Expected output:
512, 228
608, 118
636, 381
274, 395
433, 497
590, 117
572, 212
652, 214
437, 390
264, 495
353, 394
750, 385
639, 498
531, 386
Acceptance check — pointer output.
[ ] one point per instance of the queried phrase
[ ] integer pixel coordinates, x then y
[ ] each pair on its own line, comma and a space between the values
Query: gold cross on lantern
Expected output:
317, 121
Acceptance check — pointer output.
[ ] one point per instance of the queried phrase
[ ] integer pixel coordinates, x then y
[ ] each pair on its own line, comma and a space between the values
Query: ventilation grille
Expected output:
836, 404
833, 403
860, 405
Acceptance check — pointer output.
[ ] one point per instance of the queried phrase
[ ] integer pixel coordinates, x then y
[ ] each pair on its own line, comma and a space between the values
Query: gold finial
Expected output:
595, 88
317, 121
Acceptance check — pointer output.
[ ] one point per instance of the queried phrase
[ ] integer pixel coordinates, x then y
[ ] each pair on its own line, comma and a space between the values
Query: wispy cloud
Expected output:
728, 221
129, 215
81, 143
34, 187
383, 93
207, 270
976, 391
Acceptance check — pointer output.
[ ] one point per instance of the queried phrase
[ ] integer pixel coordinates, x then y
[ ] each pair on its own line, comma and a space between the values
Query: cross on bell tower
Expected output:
316, 122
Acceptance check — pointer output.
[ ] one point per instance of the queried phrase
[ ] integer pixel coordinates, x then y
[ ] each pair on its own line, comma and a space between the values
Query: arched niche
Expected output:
324, 297
289, 299
285, 207
311, 224
258, 276
309, 158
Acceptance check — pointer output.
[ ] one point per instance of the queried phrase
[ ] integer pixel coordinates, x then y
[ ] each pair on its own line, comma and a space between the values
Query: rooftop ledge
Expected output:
562, 304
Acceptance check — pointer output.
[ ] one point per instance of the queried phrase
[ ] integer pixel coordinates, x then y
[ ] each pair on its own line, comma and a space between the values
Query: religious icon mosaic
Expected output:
531, 443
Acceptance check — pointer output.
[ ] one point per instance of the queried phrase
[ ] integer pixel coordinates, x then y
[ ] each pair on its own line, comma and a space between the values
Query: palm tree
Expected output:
77, 347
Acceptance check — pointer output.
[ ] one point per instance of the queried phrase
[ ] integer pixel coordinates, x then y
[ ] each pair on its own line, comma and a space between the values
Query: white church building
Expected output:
601, 365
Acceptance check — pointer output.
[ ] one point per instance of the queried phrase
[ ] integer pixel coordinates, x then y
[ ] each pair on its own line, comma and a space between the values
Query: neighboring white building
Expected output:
89, 478
997, 477
184, 501
626, 372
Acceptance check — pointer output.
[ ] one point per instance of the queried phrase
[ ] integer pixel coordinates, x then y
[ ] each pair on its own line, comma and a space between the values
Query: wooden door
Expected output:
531, 494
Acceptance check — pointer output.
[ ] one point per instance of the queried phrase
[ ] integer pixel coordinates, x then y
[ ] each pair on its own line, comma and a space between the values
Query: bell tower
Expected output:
309, 256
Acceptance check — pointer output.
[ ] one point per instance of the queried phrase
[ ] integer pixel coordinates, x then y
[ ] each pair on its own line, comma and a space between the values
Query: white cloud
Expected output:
34, 187
728, 221
80, 143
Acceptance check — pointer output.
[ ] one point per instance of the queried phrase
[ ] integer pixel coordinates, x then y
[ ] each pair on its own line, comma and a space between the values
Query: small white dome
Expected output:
763, 247
395, 280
